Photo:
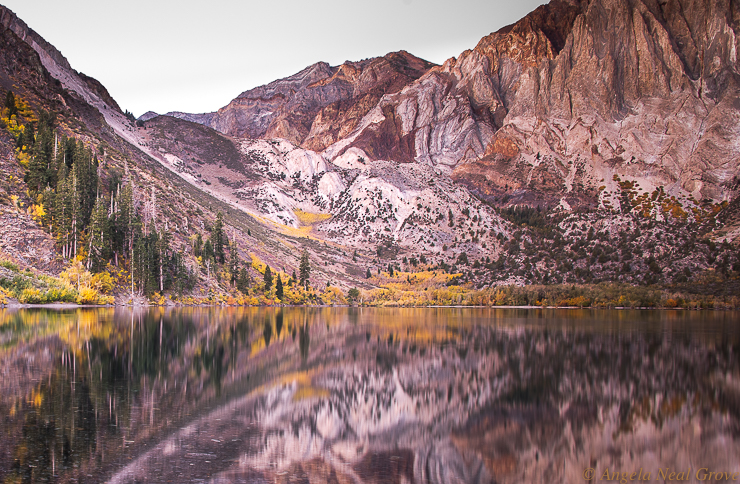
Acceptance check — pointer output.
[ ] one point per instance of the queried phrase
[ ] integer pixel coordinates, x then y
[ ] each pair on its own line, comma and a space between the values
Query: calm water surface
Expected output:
366, 395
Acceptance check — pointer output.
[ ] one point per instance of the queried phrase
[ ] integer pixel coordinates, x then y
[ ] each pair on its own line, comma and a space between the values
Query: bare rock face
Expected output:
639, 90
554, 107
571, 96
22, 241
316, 106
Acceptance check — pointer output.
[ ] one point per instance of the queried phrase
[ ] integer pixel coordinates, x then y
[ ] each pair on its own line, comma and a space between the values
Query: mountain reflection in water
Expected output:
364, 395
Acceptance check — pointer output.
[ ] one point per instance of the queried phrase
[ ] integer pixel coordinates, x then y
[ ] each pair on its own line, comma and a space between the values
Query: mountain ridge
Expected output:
514, 99
480, 165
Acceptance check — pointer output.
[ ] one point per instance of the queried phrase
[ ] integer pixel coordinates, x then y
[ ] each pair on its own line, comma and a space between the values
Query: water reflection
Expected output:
386, 395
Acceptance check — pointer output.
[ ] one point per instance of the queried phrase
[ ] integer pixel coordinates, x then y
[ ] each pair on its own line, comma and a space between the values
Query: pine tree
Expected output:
85, 170
305, 269
243, 282
41, 168
268, 278
218, 239
198, 246
279, 287
63, 212
99, 235
10, 104
208, 250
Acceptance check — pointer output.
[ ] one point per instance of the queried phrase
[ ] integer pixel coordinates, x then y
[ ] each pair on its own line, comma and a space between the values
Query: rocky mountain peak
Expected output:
539, 35
9, 20
316, 106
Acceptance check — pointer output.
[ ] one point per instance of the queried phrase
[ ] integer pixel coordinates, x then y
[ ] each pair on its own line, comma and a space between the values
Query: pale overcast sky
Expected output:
167, 55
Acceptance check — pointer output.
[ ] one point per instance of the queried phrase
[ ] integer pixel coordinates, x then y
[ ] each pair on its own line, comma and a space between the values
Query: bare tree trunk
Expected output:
131, 243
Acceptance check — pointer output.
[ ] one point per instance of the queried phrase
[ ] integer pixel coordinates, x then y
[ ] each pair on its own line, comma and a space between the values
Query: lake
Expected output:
372, 395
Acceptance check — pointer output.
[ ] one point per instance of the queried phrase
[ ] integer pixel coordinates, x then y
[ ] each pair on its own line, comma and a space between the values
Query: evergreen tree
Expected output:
42, 166
85, 170
63, 212
243, 282
305, 269
124, 221
99, 235
68, 152
367, 274
182, 279
268, 278
198, 246
218, 239
10, 104
279, 287
208, 254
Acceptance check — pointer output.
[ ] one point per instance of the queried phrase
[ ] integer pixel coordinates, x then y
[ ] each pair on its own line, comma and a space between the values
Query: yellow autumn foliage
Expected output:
37, 212
308, 218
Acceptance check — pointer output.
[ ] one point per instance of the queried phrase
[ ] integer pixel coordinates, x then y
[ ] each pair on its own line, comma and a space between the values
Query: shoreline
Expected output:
63, 305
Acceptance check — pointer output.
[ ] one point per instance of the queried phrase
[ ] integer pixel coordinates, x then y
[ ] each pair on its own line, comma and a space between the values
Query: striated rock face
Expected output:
639, 90
570, 96
316, 106
546, 110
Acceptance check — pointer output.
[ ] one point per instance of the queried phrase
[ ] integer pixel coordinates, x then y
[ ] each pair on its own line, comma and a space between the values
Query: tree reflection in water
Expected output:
382, 395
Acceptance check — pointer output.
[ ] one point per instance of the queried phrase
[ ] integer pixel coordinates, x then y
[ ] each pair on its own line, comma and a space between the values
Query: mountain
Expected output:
590, 141
549, 108
316, 106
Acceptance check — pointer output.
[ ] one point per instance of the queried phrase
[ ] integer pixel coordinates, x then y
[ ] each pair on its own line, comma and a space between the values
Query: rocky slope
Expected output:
352, 201
640, 89
551, 107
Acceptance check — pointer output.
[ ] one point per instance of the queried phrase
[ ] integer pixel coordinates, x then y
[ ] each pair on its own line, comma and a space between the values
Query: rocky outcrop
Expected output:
24, 242
195, 118
316, 106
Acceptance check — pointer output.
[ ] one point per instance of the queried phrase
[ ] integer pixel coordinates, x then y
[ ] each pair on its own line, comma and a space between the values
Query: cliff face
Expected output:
640, 90
549, 109
316, 106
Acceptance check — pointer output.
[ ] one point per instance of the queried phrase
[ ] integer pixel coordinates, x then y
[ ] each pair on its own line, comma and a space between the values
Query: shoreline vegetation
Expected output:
76, 287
